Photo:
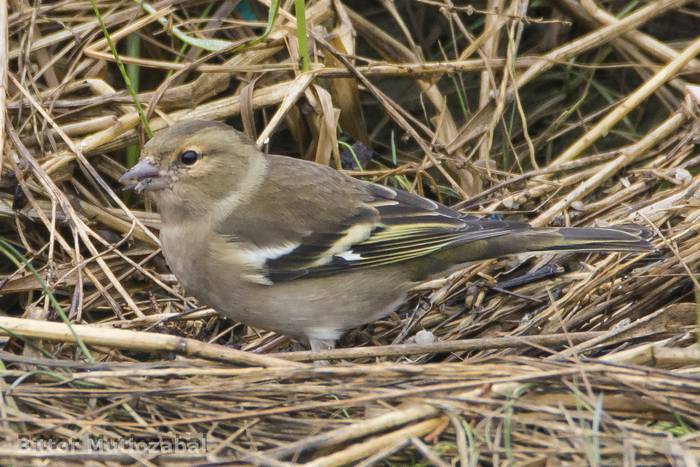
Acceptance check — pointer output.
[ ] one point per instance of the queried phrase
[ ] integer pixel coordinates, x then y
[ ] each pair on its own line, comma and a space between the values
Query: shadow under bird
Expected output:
299, 248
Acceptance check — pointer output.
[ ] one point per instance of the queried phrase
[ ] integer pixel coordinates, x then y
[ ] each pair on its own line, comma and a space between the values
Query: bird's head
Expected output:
193, 165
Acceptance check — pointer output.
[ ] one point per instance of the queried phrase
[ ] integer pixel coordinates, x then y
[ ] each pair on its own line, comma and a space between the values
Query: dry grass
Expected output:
567, 112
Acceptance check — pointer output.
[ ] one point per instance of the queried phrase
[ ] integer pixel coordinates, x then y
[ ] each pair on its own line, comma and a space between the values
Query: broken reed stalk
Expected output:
464, 345
643, 40
137, 340
362, 450
485, 116
626, 157
154, 342
630, 103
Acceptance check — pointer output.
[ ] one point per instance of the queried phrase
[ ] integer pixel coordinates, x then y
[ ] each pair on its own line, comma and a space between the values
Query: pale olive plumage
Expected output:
299, 248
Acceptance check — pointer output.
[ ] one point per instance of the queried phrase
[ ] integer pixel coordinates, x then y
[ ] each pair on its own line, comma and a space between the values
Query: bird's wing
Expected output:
391, 227
345, 225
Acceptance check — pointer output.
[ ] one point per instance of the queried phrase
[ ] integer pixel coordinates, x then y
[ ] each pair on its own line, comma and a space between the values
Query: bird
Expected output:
299, 248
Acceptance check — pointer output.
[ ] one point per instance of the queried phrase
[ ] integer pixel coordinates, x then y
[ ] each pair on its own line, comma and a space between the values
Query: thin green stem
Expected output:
122, 70
354, 155
20, 260
133, 49
300, 12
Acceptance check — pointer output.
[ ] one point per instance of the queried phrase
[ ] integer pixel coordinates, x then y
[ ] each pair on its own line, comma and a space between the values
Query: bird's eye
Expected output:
189, 157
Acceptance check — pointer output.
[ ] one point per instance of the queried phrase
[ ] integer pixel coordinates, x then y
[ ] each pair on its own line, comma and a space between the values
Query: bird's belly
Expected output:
320, 308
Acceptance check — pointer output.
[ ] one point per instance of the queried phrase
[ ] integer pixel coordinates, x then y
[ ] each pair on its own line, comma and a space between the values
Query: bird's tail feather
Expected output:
623, 238
522, 238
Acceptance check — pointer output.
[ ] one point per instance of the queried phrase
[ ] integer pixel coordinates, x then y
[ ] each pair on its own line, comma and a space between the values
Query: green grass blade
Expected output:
122, 70
300, 12
20, 260
133, 49
215, 45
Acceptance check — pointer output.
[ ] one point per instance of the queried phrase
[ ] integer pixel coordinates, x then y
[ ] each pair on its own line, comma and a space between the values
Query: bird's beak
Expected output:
145, 176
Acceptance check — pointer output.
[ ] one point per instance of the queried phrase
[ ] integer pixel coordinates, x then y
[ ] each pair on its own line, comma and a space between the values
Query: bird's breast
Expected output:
184, 249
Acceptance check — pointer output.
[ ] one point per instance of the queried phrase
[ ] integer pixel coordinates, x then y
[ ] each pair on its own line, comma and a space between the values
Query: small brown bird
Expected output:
299, 248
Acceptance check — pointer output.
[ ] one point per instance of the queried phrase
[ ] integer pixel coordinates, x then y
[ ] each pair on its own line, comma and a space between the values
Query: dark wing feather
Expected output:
393, 226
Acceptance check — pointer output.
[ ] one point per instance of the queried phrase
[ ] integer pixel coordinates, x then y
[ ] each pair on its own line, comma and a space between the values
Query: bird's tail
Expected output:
522, 238
623, 238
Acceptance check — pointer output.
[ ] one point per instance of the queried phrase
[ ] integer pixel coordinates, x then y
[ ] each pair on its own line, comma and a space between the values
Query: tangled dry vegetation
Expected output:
560, 112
